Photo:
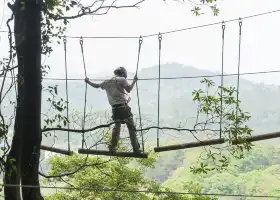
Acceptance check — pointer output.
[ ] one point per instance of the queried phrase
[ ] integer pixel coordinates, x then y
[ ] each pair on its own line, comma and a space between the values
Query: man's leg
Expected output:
132, 134
115, 136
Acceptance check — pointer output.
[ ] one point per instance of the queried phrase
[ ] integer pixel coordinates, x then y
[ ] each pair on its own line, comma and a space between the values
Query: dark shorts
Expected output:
121, 112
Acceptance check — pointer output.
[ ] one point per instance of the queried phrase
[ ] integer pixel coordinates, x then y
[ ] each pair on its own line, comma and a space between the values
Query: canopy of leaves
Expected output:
249, 175
111, 175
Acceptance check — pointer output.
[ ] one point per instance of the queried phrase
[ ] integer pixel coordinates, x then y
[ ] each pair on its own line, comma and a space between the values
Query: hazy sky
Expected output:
200, 47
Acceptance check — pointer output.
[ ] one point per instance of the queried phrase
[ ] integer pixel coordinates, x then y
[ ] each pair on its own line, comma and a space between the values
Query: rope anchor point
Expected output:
81, 40
240, 21
140, 39
159, 36
223, 25
64, 39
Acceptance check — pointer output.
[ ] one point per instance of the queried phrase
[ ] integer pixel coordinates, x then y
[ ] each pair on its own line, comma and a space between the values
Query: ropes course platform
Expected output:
256, 138
118, 154
189, 145
56, 150
158, 148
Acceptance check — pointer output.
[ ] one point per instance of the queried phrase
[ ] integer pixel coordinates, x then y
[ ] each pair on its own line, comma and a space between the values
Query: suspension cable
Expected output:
85, 103
238, 70
66, 83
159, 78
166, 78
138, 98
222, 77
171, 31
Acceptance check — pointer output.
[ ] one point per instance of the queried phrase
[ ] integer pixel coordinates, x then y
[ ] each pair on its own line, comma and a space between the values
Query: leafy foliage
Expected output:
209, 3
115, 176
218, 110
57, 106
249, 175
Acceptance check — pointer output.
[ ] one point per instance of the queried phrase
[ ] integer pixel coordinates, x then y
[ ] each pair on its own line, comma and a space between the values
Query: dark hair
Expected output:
120, 71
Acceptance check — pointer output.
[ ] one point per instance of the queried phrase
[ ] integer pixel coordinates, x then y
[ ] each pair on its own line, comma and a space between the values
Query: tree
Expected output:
219, 114
115, 175
235, 181
36, 26
27, 30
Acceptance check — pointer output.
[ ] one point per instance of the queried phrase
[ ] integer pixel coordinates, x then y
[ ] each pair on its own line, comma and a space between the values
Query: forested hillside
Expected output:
256, 174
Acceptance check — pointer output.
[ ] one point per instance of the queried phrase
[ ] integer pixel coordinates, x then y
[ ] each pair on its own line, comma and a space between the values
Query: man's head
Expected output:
121, 71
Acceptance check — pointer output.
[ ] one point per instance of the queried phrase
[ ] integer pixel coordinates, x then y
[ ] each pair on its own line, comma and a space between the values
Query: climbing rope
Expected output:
66, 83
238, 70
85, 103
159, 78
222, 77
138, 99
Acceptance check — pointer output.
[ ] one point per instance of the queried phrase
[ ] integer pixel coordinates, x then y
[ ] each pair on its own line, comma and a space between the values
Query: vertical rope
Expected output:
85, 103
138, 98
238, 72
66, 83
222, 77
159, 59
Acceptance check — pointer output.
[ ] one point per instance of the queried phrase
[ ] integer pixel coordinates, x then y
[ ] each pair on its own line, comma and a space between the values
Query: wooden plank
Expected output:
56, 150
189, 145
255, 138
118, 154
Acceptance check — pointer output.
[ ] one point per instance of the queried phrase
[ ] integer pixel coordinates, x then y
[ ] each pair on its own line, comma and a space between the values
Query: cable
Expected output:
139, 191
138, 98
238, 71
216, 23
171, 78
159, 78
172, 31
85, 104
168, 78
66, 84
222, 76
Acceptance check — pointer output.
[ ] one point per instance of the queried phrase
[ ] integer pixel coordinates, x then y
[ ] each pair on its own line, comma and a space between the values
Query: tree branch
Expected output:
111, 123
73, 172
87, 10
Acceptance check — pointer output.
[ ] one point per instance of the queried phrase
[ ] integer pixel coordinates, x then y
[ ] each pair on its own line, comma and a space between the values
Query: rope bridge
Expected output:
158, 148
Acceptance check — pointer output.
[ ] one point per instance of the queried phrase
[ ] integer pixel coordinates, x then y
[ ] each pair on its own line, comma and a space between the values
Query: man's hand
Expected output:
135, 78
95, 85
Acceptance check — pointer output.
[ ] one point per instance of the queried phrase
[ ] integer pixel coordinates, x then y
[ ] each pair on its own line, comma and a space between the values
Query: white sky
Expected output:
200, 48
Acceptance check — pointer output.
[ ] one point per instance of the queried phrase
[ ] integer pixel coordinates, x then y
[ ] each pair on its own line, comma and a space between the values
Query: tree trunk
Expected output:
27, 137
11, 176
31, 133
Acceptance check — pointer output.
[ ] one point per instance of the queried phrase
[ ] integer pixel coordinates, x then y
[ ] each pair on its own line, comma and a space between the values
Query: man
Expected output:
121, 112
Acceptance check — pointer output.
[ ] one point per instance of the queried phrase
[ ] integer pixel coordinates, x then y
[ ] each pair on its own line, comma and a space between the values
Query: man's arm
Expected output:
128, 87
95, 85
